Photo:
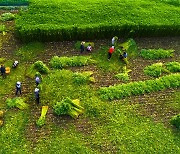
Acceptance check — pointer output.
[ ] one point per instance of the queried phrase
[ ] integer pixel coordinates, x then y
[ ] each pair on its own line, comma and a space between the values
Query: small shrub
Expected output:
173, 66
7, 16
122, 76
176, 121
16, 102
154, 70
41, 67
156, 53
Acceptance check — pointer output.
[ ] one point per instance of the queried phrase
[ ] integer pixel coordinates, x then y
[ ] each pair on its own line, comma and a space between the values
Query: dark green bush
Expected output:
141, 87
41, 67
173, 66
156, 53
176, 121
61, 62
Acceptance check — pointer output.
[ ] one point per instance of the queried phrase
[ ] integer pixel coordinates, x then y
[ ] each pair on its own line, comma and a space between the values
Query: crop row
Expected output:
140, 87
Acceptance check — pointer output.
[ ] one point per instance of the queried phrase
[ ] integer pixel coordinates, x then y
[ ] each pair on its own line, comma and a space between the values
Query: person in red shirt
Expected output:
111, 50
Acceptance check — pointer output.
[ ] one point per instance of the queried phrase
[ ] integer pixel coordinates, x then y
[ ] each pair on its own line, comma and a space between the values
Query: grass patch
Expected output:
62, 62
30, 51
12, 133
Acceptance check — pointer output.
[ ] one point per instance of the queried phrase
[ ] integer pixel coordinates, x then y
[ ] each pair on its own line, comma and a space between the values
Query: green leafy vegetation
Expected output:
7, 16
139, 88
84, 77
156, 53
62, 62
62, 20
124, 76
3, 29
68, 107
16, 102
154, 70
173, 66
176, 121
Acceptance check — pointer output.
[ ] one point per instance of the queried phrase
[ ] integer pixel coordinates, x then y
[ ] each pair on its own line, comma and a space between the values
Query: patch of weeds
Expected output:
29, 51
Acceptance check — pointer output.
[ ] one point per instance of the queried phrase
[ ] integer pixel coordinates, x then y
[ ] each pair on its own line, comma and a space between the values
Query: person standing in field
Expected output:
89, 48
114, 40
3, 71
82, 47
18, 87
111, 50
37, 80
36, 92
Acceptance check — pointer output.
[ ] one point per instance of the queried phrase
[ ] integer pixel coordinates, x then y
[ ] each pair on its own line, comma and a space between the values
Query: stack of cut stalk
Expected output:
68, 107
1, 116
41, 121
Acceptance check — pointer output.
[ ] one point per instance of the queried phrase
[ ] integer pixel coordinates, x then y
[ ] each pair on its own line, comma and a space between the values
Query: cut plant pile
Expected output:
68, 107
16, 102
139, 88
41, 121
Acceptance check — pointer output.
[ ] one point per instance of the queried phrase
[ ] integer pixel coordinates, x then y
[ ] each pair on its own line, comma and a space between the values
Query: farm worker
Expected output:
82, 47
37, 80
113, 40
36, 92
89, 48
18, 87
3, 71
111, 50
15, 64
124, 54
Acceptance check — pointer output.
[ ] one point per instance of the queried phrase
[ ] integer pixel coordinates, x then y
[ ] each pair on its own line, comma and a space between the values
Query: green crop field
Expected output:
89, 103
71, 19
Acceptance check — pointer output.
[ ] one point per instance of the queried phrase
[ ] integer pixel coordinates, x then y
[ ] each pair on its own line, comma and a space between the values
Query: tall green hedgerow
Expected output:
61, 62
140, 87
156, 53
